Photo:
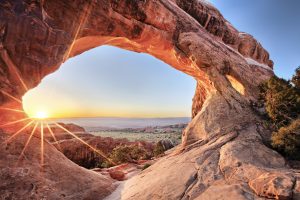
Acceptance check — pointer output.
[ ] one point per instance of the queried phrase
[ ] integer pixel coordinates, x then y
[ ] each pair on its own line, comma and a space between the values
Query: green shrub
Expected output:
126, 153
287, 140
138, 153
106, 164
158, 149
281, 100
296, 78
146, 166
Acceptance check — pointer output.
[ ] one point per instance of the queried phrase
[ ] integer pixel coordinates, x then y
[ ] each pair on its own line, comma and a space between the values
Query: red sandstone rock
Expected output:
278, 186
59, 178
118, 175
296, 191
87, 157
70, 127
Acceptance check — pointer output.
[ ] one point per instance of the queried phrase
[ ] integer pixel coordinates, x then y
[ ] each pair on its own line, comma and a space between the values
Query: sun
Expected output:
41, 114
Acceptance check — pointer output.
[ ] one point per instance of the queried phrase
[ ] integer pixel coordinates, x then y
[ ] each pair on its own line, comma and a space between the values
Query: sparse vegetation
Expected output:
287, 140
146, 166
281, 100
175, 137
158, 149
296, 78
123, 145
106, 164
131, 154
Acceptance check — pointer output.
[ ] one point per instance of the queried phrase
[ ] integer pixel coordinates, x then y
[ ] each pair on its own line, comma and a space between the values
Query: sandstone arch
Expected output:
224, 139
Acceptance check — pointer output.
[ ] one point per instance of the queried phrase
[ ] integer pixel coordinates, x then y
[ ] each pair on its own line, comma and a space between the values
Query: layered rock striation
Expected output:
222, 153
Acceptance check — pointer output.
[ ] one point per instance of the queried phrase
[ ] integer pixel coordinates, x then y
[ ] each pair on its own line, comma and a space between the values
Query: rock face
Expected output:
86, 157
58, 178
71, 127
79, 152
166, 144
222, 155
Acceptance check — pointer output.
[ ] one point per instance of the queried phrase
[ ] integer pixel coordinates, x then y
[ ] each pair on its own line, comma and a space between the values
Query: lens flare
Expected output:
42, 144
11, 96
38, 119
85, 143
13, 110
28, 140
18, 132
15, 122
53, 136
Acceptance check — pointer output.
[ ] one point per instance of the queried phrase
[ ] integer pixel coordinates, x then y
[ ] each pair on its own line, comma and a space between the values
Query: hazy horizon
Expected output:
91, 123
112, 117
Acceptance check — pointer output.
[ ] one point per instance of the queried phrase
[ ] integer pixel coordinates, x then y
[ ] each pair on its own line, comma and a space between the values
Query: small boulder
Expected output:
166, 144
273, 185
118, 175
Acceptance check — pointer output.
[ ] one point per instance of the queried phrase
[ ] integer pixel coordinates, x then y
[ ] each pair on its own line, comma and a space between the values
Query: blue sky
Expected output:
274, 23
108, 81
111, 82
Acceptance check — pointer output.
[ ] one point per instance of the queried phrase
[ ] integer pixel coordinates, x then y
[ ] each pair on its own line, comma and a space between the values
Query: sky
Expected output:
274, 23
110, 82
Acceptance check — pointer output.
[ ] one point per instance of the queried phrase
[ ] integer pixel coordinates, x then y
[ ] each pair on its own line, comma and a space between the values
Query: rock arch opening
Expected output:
110, 82
111, 97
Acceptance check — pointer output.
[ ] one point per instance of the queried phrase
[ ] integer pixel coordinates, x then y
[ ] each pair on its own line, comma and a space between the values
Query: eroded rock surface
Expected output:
86, 157
23, 177
222, 155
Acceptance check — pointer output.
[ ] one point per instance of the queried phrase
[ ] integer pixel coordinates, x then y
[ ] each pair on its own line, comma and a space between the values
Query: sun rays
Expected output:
11, 96
42, 144
82, 20
38, 125
100, 153
28, 140
53, 136
14, 110
14, 122
42, 124
8, 61
18, 132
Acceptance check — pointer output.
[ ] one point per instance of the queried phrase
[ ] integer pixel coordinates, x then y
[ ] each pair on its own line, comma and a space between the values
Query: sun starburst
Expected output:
42, 144
13, 110
40, 117
11, 96
40, 120
41, 114
15, 122
18, 132
85, 143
